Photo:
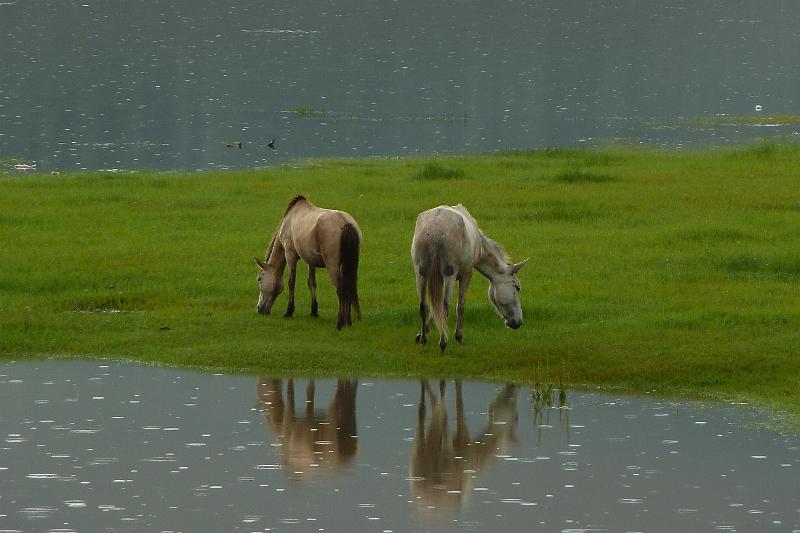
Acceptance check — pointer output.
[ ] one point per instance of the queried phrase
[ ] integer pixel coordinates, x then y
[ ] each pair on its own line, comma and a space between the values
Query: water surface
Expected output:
167, 84
92, 446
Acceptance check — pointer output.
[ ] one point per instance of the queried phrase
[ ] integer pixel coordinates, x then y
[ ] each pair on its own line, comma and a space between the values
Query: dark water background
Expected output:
166, 84
104, 446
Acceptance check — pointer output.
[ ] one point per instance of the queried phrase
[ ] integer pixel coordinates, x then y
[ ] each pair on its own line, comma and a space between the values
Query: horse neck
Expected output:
276, 256
490, 264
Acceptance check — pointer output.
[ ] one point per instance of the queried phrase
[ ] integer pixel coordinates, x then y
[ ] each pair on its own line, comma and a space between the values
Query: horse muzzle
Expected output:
262, 309
514, 323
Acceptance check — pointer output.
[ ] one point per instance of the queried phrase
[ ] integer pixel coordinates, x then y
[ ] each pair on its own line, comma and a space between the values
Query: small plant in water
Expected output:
307, 111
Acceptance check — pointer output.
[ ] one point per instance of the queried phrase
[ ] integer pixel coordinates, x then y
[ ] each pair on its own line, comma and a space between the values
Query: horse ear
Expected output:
261, 264
516, 267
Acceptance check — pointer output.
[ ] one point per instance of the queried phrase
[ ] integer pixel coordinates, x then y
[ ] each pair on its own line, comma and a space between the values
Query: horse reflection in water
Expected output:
444, 465
316, 442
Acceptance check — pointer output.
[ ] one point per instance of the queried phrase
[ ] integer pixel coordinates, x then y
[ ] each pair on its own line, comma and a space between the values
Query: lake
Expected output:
107, 446
194, 85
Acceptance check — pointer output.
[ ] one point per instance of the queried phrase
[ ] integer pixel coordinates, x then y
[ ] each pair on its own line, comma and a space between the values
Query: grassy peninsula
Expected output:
649, 270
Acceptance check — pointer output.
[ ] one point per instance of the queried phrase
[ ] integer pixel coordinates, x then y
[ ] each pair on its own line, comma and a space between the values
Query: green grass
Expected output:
436, 171
650, 270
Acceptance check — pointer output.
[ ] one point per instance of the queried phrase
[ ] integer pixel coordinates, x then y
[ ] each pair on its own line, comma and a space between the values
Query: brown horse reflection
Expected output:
315, 442
445, 464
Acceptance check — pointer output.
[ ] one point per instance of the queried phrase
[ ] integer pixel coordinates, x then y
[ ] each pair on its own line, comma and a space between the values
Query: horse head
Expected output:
504, 294
270, 283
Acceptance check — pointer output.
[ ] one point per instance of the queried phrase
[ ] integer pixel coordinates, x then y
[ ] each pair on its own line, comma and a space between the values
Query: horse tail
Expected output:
436, 293
350, 245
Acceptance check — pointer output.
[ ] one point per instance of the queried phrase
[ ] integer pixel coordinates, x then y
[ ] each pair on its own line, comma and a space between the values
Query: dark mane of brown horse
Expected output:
271, 244
292, 203
289, 207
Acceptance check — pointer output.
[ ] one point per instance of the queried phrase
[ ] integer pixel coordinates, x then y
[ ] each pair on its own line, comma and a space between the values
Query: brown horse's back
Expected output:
317, 233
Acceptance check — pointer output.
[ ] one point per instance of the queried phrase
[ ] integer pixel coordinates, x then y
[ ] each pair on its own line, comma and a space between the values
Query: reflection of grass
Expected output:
680, 275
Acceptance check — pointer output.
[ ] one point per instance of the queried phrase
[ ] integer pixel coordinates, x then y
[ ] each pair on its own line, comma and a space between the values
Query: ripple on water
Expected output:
75, 504
35, 513
107, 507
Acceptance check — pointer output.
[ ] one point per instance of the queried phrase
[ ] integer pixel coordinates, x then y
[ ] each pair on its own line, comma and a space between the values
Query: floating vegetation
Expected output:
281, 30
322, 113
452, 118
437, 171
738, 120
307, 112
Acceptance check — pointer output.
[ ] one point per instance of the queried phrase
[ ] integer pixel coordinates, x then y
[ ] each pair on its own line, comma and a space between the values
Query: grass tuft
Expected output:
581, 176
437, 171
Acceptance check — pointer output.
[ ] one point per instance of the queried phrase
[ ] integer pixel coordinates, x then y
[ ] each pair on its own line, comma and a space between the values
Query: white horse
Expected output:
447, 245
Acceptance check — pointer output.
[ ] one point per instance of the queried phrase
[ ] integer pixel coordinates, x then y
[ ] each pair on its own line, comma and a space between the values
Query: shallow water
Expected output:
167, 84
93, 446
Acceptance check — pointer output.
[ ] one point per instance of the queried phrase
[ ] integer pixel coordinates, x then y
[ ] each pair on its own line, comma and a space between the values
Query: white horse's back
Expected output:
438, 241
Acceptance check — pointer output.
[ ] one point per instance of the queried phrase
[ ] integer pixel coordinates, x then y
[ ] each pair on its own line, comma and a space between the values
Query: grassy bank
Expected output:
668, 271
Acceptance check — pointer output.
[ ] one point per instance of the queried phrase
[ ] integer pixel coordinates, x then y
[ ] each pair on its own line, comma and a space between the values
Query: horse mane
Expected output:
494, 247
271, 244
293, 202
297, 199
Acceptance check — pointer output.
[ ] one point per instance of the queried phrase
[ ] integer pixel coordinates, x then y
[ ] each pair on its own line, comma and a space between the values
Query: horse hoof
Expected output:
459, 338
420, 339
442, 345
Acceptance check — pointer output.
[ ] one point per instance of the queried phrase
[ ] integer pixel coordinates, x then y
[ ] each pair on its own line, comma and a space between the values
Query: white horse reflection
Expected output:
445, 464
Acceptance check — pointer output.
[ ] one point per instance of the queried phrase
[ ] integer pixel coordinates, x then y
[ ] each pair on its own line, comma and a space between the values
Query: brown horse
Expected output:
313, 442
323, 238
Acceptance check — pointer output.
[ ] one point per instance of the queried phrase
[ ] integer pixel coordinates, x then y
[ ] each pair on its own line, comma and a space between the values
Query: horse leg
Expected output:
336, 279
310, 399
463, 284
449, 286
290, 400
291, 260
312, 286
422, 336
